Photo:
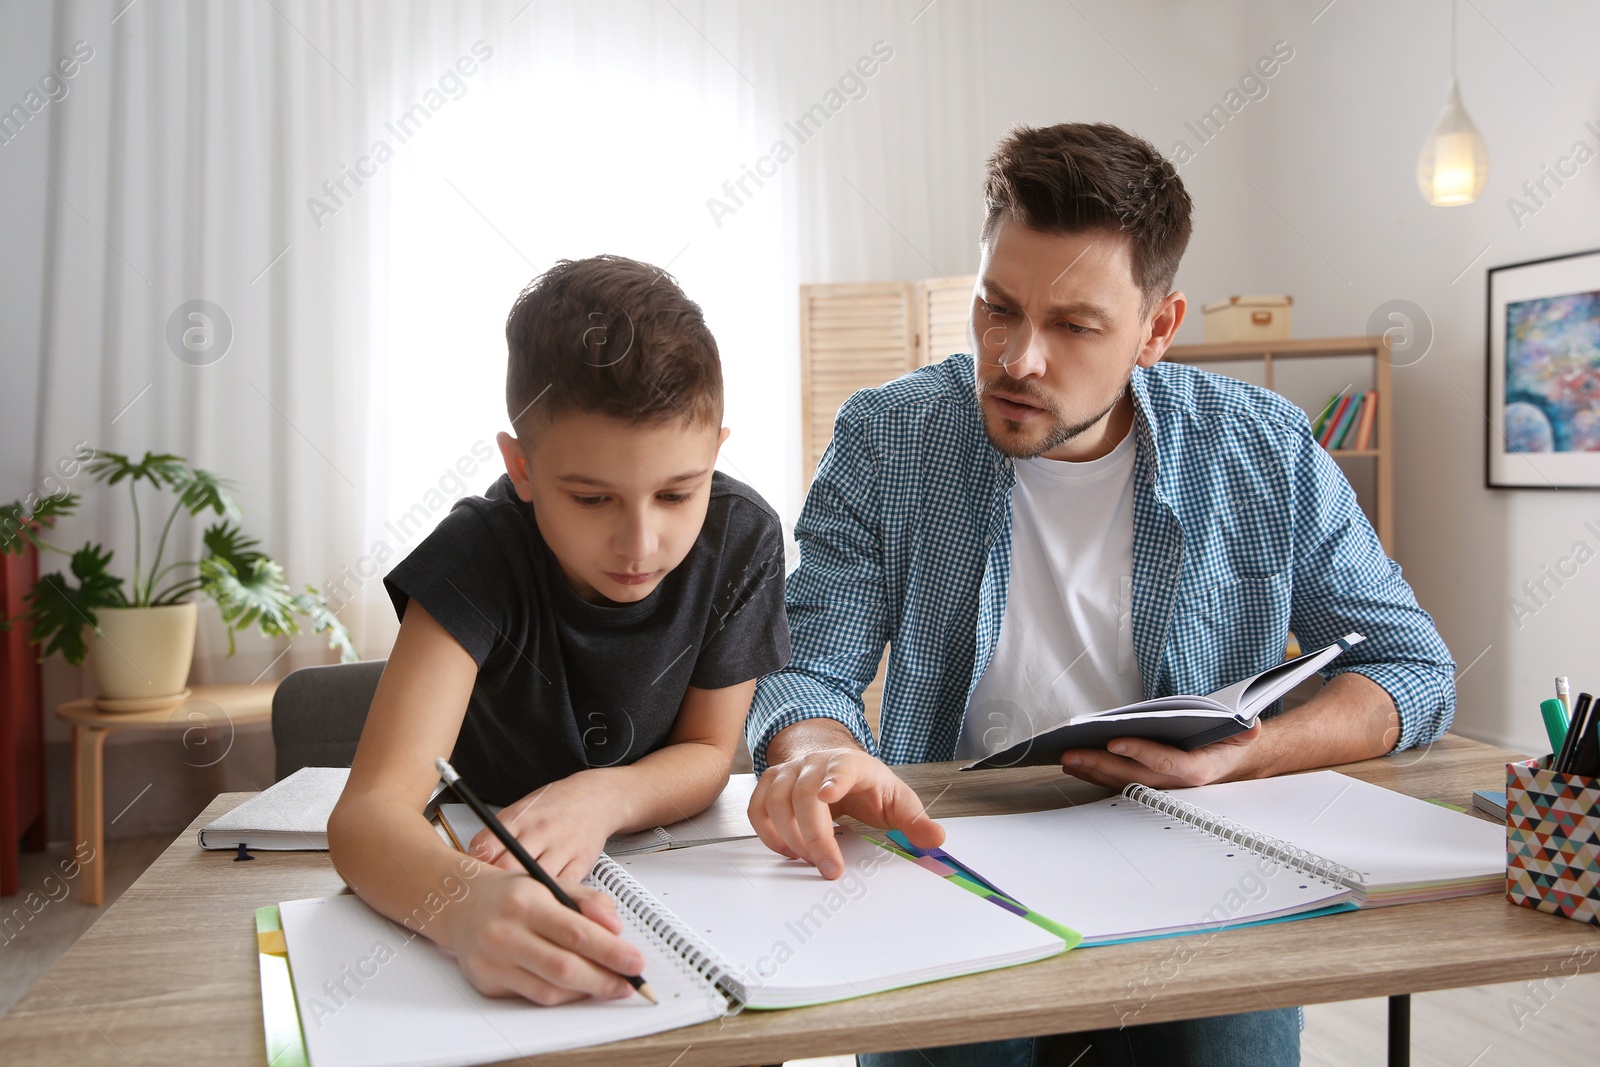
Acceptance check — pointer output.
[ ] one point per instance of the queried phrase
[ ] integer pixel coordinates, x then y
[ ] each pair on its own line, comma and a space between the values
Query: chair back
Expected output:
318, 712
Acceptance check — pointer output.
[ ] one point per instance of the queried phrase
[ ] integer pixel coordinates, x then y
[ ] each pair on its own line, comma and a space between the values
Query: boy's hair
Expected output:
1079, 176
613, 336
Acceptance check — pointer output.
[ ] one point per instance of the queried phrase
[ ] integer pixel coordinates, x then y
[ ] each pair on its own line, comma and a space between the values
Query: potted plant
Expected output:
137, 633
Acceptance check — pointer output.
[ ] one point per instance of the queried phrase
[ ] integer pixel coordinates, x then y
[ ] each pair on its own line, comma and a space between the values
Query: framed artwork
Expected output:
1544, 374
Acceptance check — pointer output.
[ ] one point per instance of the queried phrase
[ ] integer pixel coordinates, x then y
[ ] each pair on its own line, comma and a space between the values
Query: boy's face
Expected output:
1057, 332
619, 504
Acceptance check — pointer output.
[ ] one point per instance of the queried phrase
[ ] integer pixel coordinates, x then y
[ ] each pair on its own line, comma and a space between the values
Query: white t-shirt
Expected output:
1066, 640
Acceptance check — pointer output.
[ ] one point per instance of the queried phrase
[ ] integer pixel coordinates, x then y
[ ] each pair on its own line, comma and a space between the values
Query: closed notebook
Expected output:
722, 927
727, 819
287, 817
1186, 722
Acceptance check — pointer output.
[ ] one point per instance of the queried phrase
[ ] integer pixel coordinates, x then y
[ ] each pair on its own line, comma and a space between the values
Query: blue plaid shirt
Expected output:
1243, 529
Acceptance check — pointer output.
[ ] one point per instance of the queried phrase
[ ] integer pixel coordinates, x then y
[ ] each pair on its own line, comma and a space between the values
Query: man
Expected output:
1061, 523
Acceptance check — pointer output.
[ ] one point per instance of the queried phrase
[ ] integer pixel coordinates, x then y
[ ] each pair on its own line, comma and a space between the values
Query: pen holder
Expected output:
1553, 840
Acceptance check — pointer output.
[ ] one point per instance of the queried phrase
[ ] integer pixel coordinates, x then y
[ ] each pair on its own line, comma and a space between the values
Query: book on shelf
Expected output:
1325, 438
1347, 419
1369, 419
1323, 416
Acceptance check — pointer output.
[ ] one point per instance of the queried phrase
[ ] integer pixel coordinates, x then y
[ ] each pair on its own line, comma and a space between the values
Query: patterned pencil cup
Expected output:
1553, 841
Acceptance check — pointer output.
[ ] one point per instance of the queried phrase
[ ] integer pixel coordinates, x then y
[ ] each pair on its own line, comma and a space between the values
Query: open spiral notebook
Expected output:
722, 927
1148, 863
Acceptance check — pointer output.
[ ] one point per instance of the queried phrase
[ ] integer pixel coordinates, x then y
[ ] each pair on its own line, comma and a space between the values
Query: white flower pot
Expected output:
143, 654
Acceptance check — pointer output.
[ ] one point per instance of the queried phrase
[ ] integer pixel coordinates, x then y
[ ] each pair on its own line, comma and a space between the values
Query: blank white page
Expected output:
727, 817
793, 937
1390, 838
418, 1010
1115, 869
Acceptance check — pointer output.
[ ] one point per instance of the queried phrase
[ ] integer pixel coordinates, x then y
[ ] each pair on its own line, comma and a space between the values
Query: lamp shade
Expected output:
1453, 165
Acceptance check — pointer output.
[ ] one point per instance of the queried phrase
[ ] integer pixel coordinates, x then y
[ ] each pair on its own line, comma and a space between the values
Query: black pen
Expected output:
1585, 758
1582, 711
453, 780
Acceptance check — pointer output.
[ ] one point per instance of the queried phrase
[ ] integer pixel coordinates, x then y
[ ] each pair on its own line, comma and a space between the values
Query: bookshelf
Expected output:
1270, 353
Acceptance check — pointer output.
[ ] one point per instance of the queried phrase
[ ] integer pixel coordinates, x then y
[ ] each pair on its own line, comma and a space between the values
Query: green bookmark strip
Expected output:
286, 1046
1065, 933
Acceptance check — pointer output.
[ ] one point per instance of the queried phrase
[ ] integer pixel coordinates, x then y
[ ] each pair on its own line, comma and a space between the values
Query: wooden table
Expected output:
207, 707
169, 974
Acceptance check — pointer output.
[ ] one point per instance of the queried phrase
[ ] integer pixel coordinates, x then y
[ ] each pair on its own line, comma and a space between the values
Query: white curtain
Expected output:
362, 188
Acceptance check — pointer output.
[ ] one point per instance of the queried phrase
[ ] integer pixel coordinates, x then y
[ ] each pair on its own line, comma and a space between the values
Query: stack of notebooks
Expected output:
732, 925
1347, 421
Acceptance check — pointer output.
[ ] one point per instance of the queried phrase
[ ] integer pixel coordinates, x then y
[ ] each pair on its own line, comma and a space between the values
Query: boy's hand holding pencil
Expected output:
520, 910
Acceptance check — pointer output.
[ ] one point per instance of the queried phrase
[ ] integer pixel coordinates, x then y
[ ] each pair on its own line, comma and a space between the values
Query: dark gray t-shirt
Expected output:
564, 684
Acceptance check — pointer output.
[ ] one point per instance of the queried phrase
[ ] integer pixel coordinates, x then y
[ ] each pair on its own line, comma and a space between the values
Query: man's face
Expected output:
619, 505
1057, 331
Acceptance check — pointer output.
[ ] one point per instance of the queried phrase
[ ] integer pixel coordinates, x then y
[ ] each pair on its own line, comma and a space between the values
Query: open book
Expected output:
1148, 862
721, 927
1185, 722
727, 819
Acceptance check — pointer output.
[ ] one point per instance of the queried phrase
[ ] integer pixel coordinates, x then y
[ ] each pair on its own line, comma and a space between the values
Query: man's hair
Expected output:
1078, 176
612, 336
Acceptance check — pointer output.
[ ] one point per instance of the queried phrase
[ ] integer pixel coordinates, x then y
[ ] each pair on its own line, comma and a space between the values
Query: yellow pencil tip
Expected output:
646, 993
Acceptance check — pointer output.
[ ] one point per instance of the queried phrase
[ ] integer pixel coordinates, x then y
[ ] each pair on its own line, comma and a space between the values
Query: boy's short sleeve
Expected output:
460, 574
747, 634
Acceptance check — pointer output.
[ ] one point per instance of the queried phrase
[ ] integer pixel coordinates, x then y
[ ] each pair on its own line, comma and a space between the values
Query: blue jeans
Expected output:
1254, 1039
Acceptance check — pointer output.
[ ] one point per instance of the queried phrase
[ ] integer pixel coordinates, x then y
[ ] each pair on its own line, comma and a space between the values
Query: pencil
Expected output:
448, 773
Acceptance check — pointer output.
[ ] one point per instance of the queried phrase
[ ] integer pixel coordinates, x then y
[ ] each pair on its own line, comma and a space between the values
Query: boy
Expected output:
583, 640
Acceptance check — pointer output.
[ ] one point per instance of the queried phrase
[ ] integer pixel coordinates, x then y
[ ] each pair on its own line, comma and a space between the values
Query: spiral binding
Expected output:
1272, 848
659, 921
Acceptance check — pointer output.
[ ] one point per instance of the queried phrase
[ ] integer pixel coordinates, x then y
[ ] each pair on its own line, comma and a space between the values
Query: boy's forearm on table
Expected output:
667, 786
399, 864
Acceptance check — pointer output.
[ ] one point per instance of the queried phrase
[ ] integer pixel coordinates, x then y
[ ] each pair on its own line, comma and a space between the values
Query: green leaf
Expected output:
157, 468
60, 610
200, 490
228, 541
15, 518
314, 606
250, 594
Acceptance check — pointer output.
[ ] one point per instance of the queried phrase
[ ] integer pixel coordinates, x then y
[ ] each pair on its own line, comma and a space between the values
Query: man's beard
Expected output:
1061, 431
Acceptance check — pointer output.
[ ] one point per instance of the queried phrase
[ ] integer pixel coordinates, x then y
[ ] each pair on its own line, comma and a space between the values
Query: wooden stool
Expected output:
238, 704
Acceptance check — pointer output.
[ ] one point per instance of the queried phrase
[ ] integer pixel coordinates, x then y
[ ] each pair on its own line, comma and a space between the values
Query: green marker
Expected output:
1555, 722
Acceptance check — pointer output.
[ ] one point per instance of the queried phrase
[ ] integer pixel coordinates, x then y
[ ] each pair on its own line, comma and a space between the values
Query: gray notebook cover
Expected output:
290, 816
